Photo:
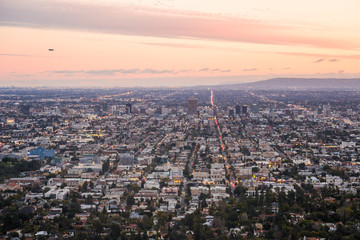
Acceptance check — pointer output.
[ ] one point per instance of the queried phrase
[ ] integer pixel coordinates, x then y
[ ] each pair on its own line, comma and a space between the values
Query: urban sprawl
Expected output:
179, 164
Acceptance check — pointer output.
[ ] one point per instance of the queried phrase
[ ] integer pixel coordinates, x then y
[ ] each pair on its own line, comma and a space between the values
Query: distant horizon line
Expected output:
178, 87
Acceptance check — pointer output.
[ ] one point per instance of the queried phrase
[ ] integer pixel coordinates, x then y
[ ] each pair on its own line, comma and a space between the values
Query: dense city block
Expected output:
179, 164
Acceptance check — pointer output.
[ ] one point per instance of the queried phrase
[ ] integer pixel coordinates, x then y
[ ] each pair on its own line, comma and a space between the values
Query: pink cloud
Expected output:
333, 57
319, 60
145, 21
132, 71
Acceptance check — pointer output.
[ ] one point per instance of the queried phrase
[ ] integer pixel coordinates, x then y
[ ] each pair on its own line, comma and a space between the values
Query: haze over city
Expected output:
175, 43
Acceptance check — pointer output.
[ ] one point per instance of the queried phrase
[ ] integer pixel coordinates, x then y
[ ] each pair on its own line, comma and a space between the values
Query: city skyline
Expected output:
175, 43
179, 164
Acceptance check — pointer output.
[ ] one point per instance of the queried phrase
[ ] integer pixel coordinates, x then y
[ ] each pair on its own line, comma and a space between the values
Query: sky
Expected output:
171, 43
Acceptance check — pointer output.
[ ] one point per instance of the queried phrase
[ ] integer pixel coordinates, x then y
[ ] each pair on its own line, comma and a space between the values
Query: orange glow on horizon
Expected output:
143, 44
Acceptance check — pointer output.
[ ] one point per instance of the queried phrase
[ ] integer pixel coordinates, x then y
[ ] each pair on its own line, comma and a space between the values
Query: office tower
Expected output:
319, 111
115, 110
105, 107
25, 109
254, 108
192, 106
128, 108
244, 109
237, 110
231, 112
327, 110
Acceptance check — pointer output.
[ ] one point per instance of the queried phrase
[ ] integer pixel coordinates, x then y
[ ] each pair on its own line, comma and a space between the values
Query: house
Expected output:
26, 181
41, 153
146, 195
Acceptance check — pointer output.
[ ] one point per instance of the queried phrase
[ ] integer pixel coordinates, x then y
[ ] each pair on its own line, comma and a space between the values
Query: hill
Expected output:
298, 84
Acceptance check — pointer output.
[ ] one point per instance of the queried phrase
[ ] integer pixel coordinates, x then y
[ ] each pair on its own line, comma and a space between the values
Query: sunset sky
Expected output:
107, 43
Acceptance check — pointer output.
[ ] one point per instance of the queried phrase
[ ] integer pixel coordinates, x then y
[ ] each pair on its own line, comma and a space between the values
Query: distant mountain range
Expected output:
297, 84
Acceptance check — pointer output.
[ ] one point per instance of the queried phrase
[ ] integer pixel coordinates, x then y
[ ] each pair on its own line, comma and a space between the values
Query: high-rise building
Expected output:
244, 109
128, 108
254, 108
319, 111
237, 110
116, 110
105, 107
327, 110
25, 109
193, 106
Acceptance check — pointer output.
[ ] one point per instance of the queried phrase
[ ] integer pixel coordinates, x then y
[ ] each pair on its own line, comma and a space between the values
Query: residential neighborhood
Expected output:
179, 164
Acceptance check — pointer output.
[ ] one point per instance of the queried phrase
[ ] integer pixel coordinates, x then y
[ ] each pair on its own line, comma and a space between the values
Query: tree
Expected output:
115, 231
81, 235
63, 185
130, 200
189, 220
302, 166
89, 199
36, 188
186, 171
84, 187
106, 166
345, 213
145, 223
97, 226
14, 235
239, 190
